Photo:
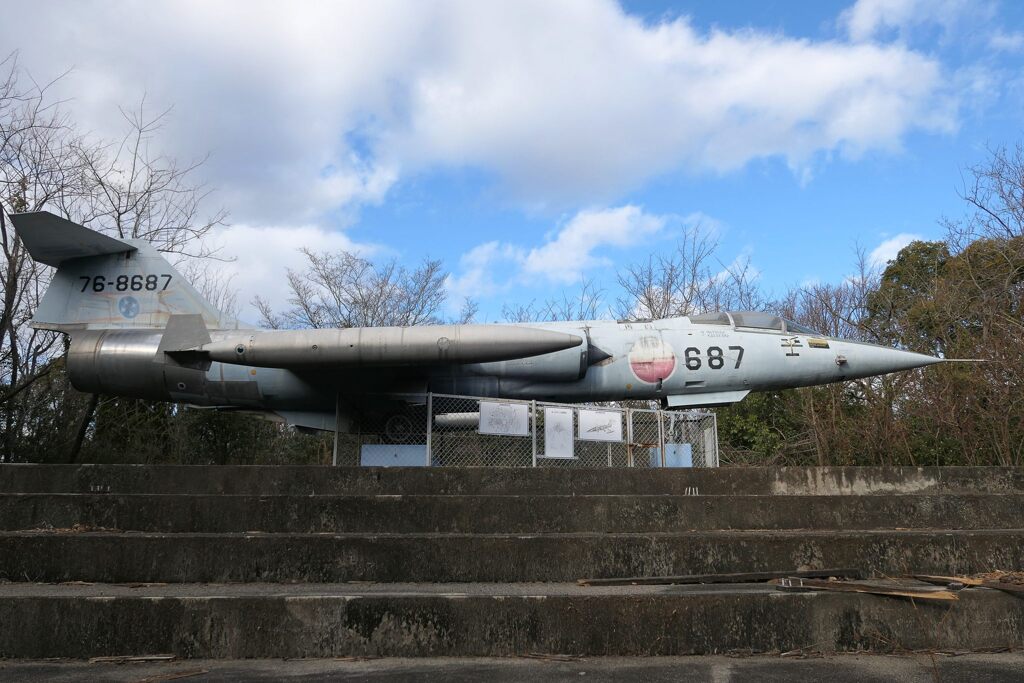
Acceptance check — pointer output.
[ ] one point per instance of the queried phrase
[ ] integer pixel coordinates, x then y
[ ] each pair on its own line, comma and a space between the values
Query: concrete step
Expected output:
842, 667
305, 480
486, 620
221, 513
148, 557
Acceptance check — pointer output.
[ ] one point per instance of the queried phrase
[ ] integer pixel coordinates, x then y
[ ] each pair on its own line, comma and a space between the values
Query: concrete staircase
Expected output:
229, 562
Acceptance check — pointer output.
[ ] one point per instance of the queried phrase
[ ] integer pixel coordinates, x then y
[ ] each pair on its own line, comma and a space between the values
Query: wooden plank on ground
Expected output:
747, 577
799, 584
1013, 588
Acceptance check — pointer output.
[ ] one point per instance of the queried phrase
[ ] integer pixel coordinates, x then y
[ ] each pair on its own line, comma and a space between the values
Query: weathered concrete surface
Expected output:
841, 668
118, 557
346, 622
222, 513
303, 480
281, 525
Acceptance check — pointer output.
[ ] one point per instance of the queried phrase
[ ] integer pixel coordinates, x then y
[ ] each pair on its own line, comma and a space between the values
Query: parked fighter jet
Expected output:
139, 329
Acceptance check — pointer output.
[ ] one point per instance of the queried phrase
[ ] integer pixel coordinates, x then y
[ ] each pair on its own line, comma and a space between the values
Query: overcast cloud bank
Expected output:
309, 113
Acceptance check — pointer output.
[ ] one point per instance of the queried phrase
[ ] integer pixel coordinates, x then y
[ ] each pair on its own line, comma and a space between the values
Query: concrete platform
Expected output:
276, 620
850, 668
305, 480
323, 562
493, 514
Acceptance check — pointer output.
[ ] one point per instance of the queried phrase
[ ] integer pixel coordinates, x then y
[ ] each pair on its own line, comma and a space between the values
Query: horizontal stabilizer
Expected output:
52, 240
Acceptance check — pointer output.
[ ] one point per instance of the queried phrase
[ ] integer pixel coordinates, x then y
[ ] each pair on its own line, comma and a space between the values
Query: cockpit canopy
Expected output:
755, 320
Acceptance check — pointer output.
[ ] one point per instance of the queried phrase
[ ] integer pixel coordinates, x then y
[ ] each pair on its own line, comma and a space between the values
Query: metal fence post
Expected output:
671, 436
533, 410
629, 439
661, 436
337, 428
430, 423
714, 426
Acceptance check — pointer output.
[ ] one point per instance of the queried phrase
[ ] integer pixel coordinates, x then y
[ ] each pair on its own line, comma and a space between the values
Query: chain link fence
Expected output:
462, 431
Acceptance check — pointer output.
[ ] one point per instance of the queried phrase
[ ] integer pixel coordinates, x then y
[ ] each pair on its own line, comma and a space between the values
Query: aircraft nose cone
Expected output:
863, 360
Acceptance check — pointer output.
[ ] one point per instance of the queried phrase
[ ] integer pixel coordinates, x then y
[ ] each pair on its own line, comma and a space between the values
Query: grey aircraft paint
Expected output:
138, 329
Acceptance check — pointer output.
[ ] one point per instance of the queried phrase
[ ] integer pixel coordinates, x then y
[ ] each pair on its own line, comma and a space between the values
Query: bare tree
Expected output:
136, 193
688, 280
343, 289
39, 166
213, 284
585, 303
995, 190
838, 310
120, 188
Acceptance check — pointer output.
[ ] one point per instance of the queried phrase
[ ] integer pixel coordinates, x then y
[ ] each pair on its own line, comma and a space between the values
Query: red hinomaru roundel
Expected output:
652, 359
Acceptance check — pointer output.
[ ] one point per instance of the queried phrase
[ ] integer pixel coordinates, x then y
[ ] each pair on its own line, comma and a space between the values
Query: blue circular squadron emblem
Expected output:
129, 306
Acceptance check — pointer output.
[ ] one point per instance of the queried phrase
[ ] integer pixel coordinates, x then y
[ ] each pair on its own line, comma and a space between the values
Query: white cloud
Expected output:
324, 106
1007, 42
263, 255
355, 182
479, 271
889, 249
565, 257
867, 19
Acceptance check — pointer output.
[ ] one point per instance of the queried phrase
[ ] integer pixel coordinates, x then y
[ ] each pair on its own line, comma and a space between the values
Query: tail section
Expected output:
102, 282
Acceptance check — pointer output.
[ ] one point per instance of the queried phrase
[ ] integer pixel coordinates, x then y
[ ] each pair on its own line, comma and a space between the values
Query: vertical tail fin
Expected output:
102, 282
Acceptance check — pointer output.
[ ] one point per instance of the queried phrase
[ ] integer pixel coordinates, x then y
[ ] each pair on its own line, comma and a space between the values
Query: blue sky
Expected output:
532, 144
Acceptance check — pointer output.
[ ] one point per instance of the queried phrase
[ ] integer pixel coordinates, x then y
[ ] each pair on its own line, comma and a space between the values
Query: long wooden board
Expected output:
1014, 588
747, 577
799, 584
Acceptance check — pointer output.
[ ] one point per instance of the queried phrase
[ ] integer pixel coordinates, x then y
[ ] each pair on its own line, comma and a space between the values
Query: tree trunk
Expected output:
83, 427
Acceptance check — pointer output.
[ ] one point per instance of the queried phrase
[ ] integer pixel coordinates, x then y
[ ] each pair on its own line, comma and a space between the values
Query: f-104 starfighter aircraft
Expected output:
139, 329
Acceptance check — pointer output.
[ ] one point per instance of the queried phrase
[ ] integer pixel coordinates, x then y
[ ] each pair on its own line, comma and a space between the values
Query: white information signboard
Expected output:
558, 440
393, 455
600, 425
505, 419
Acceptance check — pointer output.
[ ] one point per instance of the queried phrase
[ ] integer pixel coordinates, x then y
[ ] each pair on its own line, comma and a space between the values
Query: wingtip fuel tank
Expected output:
392, 346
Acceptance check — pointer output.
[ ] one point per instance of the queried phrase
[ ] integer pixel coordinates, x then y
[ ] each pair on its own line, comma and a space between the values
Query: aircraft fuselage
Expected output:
677, 361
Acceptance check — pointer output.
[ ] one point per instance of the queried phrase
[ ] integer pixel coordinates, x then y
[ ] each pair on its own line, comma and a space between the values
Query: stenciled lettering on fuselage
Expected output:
792, 344
715, 357
126, 283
